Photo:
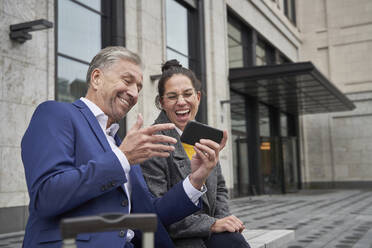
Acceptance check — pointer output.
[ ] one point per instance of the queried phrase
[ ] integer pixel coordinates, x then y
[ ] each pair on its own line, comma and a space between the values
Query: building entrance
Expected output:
241, 168
290, 163
270, 164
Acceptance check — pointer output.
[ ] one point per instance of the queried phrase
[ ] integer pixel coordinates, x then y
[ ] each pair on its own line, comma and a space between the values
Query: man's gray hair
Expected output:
109, 55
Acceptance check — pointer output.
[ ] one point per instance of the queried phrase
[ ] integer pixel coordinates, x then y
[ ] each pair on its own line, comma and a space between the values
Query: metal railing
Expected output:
71, 227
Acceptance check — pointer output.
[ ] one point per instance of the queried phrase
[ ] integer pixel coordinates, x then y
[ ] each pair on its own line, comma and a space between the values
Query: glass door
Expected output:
289, 149
270, 165
241, 168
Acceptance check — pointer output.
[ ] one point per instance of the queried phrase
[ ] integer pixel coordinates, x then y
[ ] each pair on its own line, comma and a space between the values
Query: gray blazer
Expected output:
162, 173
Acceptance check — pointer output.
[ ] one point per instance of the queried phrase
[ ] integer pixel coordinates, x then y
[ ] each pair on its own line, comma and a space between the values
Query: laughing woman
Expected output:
179, 93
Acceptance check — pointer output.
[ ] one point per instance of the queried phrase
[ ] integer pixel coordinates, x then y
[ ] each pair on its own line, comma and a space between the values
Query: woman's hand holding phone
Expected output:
205, 159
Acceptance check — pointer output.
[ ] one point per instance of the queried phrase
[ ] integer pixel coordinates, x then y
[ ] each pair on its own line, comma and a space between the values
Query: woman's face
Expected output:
180, 100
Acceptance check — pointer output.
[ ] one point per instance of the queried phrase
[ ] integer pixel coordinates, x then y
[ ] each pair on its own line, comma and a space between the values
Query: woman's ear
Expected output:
198, 95
161, 102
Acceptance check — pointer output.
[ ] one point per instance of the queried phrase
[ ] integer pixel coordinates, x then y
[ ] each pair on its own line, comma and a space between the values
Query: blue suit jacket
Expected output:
71, 171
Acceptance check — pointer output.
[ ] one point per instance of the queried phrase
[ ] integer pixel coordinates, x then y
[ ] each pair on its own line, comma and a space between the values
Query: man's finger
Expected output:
138, 123
160, 154
160, 147
158, 127
143, 158
158, 138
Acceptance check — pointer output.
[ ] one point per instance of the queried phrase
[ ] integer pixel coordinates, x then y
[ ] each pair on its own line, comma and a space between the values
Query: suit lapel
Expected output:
180, 158
118, 142
93, 123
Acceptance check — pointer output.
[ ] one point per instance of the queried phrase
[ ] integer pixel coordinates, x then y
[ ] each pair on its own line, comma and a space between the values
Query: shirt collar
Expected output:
101, 117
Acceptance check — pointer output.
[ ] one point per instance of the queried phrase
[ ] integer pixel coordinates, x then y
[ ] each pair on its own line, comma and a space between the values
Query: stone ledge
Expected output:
12, 240
258, 238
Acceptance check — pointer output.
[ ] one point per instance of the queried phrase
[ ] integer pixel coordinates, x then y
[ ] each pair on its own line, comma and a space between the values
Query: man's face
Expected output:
117, 88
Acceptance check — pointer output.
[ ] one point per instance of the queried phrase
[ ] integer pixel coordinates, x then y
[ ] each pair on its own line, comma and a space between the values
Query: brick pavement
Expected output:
320, 218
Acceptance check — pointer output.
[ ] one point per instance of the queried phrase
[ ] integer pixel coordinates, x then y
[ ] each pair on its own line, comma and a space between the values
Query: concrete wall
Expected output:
217, 78
26, 79
145, 34
337, 37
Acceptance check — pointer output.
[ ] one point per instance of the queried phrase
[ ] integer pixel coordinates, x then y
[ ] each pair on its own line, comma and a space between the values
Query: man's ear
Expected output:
95, 78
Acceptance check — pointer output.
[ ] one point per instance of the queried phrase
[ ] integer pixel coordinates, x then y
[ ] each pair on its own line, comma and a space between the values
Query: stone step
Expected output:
259, 238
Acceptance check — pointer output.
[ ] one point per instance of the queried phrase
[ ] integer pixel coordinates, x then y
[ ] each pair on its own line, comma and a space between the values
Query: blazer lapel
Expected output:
179, 155
180, 158
118, 142
211, 184
93, 123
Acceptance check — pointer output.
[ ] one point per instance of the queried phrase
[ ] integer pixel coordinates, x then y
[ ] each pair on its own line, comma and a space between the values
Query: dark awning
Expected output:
296, 88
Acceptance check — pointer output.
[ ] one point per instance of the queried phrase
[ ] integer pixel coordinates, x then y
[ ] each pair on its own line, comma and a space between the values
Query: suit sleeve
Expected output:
156, 174
55, 181
170, 207
199, 224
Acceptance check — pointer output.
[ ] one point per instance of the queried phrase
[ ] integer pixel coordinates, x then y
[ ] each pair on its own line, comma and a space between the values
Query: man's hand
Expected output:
205, 159
142, 144
228, 224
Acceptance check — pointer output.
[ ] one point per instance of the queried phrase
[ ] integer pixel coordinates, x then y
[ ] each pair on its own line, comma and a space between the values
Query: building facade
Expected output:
337, 147
271, 148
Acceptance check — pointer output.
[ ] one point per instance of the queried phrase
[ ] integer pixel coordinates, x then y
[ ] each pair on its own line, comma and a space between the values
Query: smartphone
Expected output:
194, 131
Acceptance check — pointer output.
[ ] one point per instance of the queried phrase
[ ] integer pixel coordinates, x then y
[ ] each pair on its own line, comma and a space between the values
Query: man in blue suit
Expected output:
76, 165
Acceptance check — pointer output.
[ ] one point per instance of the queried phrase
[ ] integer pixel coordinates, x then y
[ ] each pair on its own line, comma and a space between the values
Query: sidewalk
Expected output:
320, 218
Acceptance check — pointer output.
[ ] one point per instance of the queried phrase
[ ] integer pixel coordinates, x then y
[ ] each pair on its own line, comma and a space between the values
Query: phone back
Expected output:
194, 131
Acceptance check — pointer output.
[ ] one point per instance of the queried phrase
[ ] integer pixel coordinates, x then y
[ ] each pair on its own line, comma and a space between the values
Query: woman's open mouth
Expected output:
183, 113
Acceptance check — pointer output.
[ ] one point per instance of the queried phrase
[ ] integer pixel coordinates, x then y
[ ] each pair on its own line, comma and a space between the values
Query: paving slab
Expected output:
320, 218
268, 238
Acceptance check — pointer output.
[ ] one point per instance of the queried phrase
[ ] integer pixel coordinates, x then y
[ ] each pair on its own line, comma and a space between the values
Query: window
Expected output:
264, 120
184, 33
79, 39
177, 32
283, 125
235, 46
83, 27
281, 59
290, 10
260, 53
185, 40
